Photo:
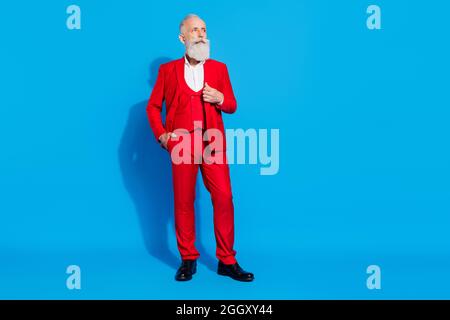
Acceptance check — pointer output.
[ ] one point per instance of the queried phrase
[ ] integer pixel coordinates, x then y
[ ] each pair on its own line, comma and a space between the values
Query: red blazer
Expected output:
169, 86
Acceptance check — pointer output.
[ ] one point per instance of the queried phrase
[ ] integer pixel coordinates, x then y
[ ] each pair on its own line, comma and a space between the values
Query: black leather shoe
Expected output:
234, 271
186, 270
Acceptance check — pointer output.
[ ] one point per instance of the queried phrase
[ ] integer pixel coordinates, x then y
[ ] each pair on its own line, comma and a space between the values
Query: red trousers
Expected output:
216, 177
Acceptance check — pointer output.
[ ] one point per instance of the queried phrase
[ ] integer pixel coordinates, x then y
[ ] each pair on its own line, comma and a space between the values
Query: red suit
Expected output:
183, 107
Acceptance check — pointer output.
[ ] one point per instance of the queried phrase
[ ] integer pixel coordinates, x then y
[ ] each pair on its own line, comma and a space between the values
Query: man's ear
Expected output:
182, 38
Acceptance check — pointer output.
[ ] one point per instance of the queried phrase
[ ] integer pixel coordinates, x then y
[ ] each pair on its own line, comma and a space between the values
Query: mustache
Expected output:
200, 41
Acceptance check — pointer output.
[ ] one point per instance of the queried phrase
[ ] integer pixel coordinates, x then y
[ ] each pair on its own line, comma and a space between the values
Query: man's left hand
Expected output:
212, 95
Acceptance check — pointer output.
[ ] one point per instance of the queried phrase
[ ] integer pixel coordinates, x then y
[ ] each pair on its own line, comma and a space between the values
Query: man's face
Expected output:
194, 39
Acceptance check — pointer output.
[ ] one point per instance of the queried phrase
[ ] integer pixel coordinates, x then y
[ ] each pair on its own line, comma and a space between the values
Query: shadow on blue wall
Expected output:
147, 176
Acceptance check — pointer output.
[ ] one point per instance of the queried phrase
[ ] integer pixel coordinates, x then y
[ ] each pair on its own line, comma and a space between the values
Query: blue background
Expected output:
364, 158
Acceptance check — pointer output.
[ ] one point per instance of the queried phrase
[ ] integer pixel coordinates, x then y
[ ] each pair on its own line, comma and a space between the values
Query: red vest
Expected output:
190, 109
197, 110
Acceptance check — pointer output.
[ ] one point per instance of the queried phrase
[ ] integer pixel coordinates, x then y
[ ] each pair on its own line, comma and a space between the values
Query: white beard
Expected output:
198, 51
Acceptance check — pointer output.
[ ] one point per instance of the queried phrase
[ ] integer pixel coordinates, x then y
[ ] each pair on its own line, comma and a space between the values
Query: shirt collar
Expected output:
186, 62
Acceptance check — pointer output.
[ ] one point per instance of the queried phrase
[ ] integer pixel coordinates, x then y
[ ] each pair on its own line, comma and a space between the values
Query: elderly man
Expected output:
197, 90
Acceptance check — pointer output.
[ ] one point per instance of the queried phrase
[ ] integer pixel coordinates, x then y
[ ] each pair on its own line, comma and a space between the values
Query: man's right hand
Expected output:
164, 138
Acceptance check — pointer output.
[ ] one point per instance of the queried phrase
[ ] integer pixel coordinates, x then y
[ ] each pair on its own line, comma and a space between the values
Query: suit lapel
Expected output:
179, 66
207, 72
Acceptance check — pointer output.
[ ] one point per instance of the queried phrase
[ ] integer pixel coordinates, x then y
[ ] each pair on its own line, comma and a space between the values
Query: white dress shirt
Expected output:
194, 75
